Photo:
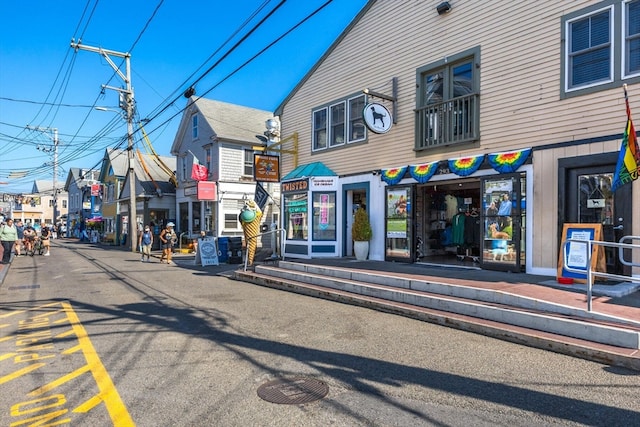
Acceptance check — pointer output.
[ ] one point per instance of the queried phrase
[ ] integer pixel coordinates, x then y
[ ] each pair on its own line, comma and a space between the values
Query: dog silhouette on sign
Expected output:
377, 116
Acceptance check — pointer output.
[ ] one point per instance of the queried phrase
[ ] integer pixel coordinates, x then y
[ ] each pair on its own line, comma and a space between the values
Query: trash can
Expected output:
235, 250
223, 249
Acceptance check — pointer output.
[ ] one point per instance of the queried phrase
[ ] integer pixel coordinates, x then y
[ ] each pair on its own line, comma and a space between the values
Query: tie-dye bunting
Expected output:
509, 162
393, 176
465, 166
423, 173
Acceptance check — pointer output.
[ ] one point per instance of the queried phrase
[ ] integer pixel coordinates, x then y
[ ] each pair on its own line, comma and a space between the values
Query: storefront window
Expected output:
324, 216
296, 221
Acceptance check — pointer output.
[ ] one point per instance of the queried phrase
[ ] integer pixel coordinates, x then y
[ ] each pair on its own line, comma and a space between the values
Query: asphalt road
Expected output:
93, 337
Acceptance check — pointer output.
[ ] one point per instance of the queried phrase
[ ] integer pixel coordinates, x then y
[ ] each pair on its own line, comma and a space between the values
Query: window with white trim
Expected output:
631, 57
590, 49
338, 123
601, 47
194, 126
248, 163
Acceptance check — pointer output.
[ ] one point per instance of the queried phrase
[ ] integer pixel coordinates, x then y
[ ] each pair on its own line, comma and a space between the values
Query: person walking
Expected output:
145, 241
167, 238
45, 236
8, 237
20, 228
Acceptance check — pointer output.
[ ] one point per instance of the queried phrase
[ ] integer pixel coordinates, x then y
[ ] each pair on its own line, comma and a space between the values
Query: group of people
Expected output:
16, 236
168, 239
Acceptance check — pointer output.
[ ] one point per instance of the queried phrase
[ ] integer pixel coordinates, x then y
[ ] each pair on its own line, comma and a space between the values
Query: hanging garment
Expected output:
458, 224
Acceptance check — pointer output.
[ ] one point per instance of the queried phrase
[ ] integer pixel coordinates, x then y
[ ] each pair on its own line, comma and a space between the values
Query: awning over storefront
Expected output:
310, 169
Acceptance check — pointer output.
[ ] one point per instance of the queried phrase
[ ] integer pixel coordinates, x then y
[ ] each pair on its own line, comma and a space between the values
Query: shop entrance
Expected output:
586, 183
503, 222
448, 223
355, 199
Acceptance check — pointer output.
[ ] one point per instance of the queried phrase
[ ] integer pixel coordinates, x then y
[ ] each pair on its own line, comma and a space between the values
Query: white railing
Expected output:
590, 273
274, 255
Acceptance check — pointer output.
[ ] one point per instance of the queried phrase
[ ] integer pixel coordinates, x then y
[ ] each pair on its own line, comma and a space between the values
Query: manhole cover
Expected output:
293, 391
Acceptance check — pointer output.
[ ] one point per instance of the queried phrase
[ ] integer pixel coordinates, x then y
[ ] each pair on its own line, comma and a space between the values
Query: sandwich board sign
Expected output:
207, 253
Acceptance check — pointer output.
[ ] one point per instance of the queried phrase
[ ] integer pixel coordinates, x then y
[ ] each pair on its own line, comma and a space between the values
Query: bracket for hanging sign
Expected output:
393, 98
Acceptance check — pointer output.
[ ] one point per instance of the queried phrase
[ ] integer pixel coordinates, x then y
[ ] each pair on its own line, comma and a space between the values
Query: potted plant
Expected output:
361, 233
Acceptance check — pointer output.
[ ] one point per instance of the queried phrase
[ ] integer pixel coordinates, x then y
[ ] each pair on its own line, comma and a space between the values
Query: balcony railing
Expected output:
450, 122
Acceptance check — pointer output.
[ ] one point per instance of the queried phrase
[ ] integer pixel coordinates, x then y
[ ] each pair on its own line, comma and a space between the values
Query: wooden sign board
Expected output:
577, 252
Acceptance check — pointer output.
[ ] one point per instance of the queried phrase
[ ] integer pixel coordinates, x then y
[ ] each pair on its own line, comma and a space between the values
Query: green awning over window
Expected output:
310, 169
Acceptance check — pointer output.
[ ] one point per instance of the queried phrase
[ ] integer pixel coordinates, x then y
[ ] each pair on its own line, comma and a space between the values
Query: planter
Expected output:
361, 249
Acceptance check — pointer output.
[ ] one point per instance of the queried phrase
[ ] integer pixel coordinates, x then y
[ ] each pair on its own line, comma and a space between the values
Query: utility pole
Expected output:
127, 104
55, 166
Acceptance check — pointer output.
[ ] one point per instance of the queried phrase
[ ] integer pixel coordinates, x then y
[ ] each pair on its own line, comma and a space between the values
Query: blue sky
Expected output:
46, 84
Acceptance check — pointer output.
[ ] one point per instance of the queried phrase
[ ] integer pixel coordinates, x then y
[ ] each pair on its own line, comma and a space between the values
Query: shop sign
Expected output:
261, 196
190, 191
207, 253
296, 186
377, 117
207, 190
323, 182
266, 168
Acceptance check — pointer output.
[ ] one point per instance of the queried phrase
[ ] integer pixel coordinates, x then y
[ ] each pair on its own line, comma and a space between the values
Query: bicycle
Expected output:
37, 246
29, 247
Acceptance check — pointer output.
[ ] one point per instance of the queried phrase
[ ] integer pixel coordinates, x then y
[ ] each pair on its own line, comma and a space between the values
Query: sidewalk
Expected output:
621, 300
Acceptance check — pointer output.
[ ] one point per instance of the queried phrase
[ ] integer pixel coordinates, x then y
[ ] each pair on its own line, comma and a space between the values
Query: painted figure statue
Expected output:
250, 216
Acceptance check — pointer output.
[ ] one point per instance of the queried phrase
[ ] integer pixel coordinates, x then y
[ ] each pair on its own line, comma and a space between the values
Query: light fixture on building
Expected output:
443, 8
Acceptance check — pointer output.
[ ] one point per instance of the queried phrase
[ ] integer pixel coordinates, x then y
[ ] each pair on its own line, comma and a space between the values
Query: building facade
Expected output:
222, 137
480, 134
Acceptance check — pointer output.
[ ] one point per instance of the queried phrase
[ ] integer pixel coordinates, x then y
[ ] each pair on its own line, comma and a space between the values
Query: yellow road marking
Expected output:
108, 393
21, 372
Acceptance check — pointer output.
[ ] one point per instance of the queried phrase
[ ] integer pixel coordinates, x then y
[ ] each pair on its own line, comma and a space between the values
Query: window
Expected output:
447, 102
601, 47
207, 155
324, 216
230, 221
194, 126
631, 56
296, 217
339, 123
320, 129
248, 163
356, 122
183, 161
64, 204
590, 49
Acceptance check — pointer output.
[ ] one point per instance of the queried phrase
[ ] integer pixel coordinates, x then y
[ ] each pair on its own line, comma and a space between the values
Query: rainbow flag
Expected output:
628, 166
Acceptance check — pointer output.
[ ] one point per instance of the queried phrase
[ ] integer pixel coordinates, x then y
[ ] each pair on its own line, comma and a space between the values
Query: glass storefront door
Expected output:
399, 223
503, 221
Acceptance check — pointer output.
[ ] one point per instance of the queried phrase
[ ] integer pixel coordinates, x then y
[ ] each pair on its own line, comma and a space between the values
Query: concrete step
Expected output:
516, 318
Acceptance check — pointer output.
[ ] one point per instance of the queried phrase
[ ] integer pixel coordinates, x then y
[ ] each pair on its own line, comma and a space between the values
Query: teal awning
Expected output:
310, 169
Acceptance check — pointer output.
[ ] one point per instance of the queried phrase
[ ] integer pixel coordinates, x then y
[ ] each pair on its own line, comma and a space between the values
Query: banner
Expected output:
628, 165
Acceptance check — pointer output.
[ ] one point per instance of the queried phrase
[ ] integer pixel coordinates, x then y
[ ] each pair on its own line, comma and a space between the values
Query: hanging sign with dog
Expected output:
377, 117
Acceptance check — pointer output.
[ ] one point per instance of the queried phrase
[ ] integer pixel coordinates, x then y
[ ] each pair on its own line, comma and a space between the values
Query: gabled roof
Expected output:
115, 159
151, 178
310, 169
233, 122
365, 9
228, 122
81, 177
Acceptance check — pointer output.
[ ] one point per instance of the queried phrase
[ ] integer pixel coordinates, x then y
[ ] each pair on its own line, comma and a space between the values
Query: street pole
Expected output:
55, 176
127, 104
55, 165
